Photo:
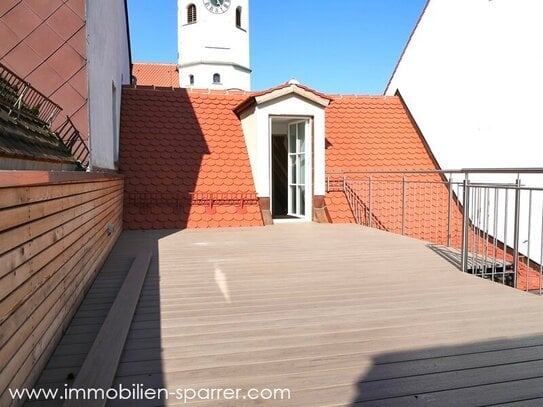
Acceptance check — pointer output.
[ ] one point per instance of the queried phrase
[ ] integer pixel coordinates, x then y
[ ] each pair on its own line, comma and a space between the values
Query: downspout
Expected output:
130, 64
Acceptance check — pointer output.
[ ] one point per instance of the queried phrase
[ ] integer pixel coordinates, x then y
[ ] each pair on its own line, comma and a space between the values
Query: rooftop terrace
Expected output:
337, 314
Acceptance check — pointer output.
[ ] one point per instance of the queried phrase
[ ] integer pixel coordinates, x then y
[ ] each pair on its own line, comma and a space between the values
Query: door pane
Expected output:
293, 171
301, 137
301, 169
292, 138
302, 200
294, 201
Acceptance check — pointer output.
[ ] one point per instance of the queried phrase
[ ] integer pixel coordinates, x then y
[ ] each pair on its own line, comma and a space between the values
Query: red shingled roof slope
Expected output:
174, 143
373, 133
153, 74
376, 133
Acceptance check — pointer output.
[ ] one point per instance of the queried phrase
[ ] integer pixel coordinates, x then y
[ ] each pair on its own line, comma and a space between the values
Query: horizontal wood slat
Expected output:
42, 268
53, 240
17, 196
27, 232
44, 322
18, 215
24, 252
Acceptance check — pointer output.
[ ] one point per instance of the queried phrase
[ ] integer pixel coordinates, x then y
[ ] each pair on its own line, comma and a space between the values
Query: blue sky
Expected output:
331, 46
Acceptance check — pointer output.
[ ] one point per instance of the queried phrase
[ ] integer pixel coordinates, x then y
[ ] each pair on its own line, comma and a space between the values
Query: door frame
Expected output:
295, 208
309, 170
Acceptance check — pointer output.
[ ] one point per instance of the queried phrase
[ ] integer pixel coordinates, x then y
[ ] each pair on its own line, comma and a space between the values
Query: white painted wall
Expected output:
249, 125
471, 78
108, 65
214, 44
232, 77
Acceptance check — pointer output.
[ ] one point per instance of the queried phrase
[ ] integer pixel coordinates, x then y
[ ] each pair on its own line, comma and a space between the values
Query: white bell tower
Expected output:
214, 44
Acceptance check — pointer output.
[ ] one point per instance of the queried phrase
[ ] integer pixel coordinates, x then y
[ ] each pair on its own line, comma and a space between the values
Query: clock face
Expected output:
217, 6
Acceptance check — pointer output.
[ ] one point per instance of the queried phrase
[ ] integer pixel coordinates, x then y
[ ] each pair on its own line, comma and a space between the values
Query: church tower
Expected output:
214, 44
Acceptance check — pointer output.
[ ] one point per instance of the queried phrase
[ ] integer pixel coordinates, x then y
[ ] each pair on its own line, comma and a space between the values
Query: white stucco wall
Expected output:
249, 126
232, 77
108, 67
471, 78
214, 44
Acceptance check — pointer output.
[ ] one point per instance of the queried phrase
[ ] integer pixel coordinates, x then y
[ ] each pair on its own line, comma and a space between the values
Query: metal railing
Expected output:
485, 221
19, 98
71, 138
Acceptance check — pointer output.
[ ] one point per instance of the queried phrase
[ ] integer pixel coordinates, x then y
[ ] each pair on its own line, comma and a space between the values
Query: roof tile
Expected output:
191, 158
153, 74
367, 133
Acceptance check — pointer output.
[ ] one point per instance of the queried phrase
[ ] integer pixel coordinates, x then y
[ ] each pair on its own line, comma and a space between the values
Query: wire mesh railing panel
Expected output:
418, 209
490, 229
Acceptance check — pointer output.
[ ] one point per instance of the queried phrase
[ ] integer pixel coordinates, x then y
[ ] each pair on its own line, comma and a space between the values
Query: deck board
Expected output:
339, 314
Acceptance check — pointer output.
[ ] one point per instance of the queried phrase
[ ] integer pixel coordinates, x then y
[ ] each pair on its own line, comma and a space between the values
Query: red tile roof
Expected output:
167, 138
174, 143
154, 74
254, 95
367, 133
374, 133
186, 164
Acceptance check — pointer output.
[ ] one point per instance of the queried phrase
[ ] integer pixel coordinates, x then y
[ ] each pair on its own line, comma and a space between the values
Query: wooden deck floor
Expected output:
337, 314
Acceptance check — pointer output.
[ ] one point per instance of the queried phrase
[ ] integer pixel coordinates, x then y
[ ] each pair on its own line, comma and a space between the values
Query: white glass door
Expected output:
297, 169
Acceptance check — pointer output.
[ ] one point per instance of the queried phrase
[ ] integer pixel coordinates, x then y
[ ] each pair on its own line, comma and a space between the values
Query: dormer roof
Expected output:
289, 88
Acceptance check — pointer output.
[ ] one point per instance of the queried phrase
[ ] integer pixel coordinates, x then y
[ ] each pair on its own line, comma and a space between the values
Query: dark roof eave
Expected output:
245, 105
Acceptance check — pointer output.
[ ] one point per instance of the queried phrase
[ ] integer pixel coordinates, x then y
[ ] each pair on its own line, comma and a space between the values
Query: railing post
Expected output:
528, 262
465, 227
516, 237
369, 198
449, 221
404, 186
328, 184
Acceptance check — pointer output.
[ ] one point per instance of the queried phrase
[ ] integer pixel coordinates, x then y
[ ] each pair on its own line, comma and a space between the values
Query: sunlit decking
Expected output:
337, 314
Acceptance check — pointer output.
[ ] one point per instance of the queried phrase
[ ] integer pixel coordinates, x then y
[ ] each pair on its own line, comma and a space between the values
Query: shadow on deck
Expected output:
337, 314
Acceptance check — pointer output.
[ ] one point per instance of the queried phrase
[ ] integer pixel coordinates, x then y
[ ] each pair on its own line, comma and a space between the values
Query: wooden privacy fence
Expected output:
54, 238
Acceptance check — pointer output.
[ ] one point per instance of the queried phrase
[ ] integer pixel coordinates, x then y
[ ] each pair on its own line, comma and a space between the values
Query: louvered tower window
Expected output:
191, 14
238, 17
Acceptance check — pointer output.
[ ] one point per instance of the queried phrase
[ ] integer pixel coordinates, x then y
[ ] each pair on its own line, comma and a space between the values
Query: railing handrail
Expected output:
71, 138
488, 212
511, 170
28, 99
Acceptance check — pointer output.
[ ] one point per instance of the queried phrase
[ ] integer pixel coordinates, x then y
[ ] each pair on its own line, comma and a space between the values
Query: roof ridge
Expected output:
360, 96
156, 63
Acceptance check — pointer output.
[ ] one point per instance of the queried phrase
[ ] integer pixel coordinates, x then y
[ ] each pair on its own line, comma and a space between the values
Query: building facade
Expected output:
214, 44
77, 54
469, 77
